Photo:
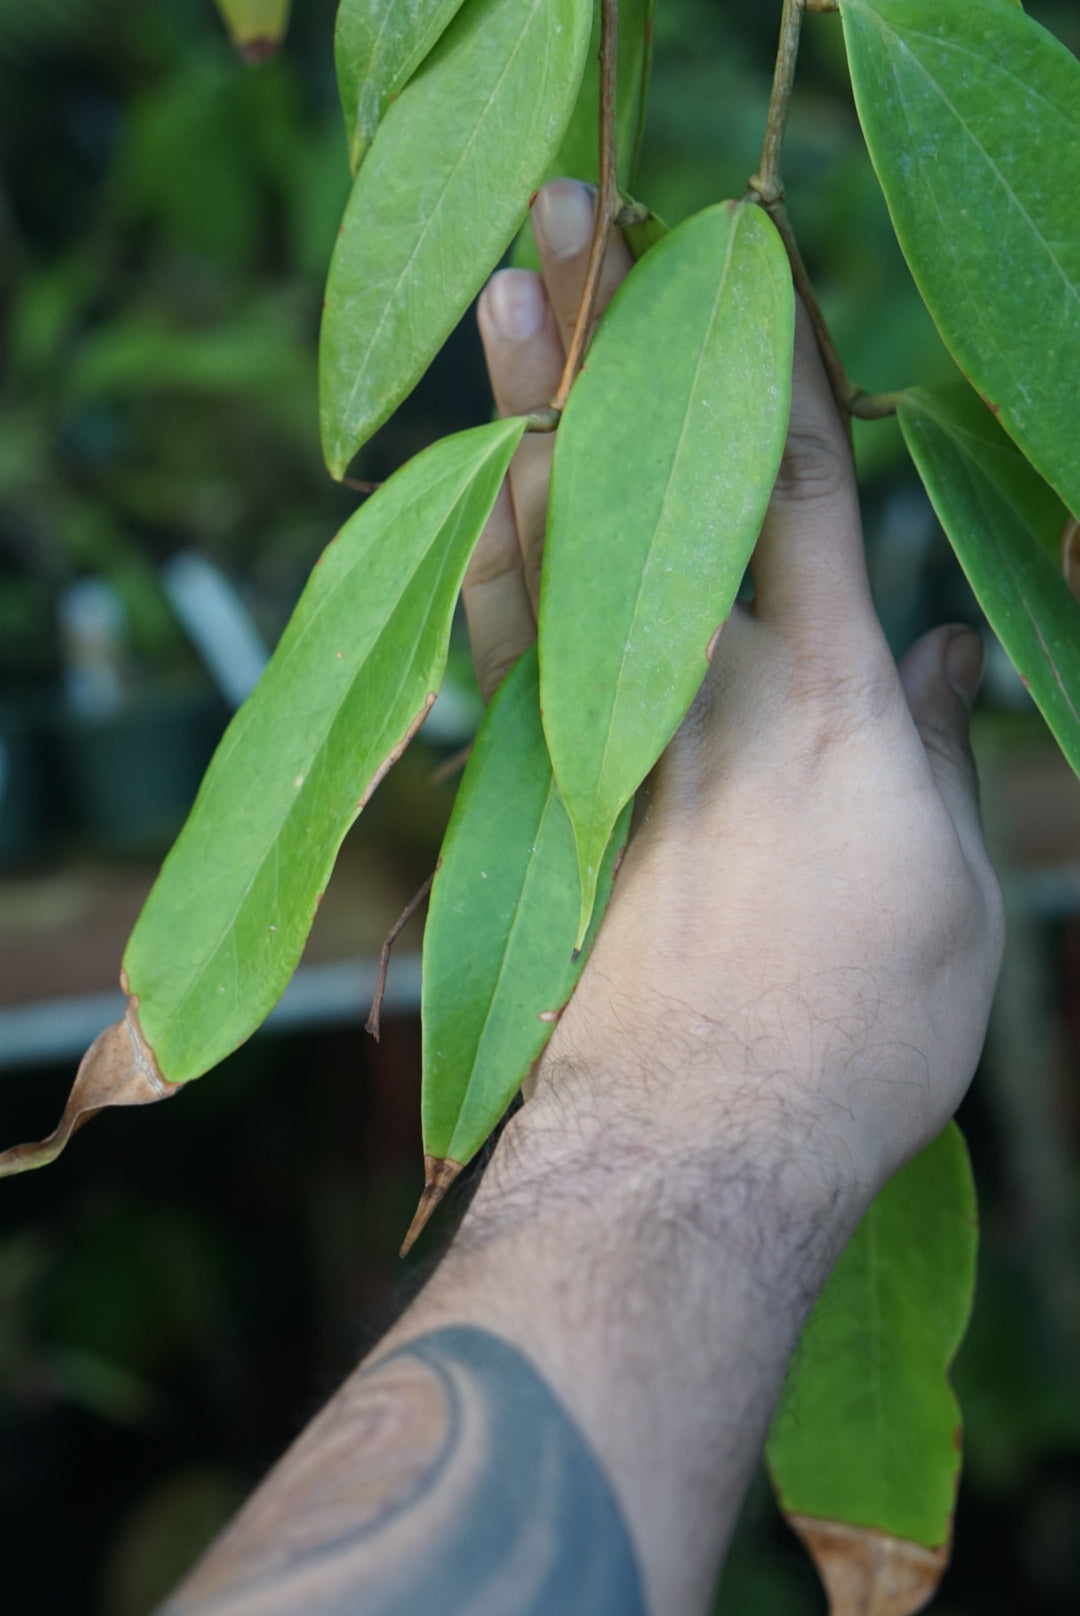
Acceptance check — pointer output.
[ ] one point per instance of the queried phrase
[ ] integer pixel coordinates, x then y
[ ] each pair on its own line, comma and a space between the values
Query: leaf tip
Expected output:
119, 1068
439, 1173
867, 1572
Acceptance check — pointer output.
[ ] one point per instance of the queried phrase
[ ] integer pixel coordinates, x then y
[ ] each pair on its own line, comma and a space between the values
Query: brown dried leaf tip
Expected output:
439, 1173
869, 1573
118, 1069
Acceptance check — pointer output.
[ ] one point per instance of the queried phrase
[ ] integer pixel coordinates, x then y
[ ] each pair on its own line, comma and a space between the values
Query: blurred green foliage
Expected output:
166, 225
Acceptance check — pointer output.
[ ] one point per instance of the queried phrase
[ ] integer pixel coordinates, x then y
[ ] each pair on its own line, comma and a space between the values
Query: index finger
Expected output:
809, 567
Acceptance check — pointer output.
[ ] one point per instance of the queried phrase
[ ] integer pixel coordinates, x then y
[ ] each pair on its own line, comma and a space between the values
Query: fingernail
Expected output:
515, 301
963, 665
563, 217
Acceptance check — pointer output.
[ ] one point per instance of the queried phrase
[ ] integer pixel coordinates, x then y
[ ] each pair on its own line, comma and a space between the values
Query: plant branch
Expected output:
767, 189
843, 390
607, 202
372, 1024
766, 182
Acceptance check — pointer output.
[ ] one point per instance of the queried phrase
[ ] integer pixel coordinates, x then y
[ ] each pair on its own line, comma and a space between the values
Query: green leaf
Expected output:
378, 45
499, 944
354, 674
867, 1433
578, 157
972, 117
1004, 524
438, 197
579, 153
664, 462
256, 27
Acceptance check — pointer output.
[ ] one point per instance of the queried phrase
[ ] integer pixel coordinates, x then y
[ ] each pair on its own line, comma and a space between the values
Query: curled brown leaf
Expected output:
119, 1068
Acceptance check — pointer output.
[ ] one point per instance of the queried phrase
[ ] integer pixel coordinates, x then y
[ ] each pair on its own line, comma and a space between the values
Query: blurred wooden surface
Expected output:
63, 933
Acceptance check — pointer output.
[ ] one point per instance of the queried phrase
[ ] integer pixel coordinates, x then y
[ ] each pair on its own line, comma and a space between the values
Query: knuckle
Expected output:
949, 751
814, 466
493, 663
497, 556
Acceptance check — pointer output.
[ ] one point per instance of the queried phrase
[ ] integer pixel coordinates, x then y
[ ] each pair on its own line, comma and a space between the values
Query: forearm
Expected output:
644, 1295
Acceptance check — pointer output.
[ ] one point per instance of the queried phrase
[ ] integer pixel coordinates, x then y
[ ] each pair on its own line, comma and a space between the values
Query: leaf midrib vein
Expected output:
436, 209
270, 846
518, 901
675, 458
939, 90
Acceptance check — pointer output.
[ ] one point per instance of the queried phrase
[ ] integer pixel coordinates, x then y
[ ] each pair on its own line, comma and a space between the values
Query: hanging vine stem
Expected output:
373, 1020
607, 203
766, 188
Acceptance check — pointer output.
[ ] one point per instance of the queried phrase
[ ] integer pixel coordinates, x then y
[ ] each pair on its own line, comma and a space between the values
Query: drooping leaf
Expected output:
445, 184
972, 117
256, 27
499, 943
118, 1069
1005, 526
865, 1448
378, 45
578, 157
353, 676
664, 462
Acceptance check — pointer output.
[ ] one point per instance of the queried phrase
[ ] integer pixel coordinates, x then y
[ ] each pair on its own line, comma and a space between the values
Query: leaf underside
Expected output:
1004, 525
867, 1434
972, 117
354, 674
443, 187
499, 959
664, 462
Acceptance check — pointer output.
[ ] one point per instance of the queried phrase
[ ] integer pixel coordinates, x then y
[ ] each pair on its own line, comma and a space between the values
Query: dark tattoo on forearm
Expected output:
445, 1479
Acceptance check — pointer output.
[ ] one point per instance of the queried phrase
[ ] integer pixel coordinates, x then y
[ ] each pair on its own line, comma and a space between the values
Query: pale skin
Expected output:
786, 1001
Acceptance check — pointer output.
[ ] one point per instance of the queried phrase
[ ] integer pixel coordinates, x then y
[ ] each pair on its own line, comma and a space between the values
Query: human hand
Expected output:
806, 931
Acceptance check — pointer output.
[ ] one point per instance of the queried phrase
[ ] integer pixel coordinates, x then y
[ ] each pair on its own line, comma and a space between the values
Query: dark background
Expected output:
183, 1287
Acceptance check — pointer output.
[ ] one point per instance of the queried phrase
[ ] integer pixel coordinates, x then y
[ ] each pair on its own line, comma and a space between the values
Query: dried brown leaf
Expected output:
439, 1173
869, 1573
118, 1069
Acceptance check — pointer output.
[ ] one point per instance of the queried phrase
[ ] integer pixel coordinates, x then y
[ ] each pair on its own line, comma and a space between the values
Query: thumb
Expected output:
940, 678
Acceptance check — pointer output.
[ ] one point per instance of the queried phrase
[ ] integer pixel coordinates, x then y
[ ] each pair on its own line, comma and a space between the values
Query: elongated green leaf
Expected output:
353, 676
867, 1433
1004, 524
438, 197
578, 157
972, 117
664, 462
499, 945
378, 45
255, 26
579, 153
